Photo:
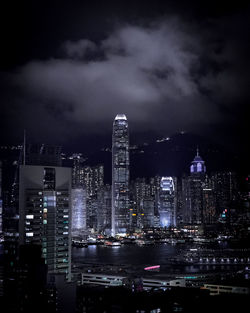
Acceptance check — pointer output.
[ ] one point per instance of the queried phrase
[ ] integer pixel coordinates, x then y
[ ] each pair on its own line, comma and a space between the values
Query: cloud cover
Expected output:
165, 76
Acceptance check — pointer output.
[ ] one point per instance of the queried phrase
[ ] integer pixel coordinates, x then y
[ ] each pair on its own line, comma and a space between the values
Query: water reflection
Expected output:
141, 256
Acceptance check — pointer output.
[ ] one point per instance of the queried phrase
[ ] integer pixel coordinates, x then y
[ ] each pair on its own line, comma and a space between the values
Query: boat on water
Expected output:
112, 243
79, 244
127, 241
144, 242
155, 268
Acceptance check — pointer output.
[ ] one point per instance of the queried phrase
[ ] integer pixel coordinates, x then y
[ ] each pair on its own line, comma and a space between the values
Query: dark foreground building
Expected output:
123, 300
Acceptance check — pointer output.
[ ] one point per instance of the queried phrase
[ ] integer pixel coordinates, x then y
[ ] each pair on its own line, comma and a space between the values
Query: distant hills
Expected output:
171, 156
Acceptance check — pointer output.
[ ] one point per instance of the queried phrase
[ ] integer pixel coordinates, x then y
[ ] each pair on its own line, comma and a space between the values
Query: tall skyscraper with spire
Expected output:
120, 175
192, 191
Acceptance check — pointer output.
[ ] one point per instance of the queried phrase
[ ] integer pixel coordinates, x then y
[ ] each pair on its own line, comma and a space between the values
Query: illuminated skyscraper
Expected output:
192, 192
120, 175
225, 189
90, 180
79, 203
104, 209
92, 177
167, 197
45, 213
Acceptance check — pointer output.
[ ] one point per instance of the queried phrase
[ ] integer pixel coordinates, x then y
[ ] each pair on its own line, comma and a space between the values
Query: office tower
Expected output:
148, 212
10, 225
141, 201
167, 202
243, 214
155, 185
225, 188
208, 202
40, 154
45, 214
93, 180
77, 170
192, 192
79, 203
120, 175
132, 208
90, 179
179, 205
104, 209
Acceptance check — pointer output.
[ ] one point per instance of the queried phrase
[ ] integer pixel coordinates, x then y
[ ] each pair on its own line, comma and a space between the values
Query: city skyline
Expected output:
124, 165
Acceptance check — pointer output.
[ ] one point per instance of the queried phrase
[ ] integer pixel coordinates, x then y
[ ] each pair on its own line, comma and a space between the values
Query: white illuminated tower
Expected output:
167, 208
79, 203
120, 175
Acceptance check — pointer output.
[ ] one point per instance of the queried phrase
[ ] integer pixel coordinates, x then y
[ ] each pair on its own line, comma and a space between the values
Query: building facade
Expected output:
120, 175
45, 214
167, 202
79, 210
192, 192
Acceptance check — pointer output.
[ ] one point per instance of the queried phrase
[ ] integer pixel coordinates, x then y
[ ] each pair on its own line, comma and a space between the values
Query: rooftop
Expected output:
120, 117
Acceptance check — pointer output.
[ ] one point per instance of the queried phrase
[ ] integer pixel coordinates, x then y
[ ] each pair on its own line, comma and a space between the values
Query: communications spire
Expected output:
24, 147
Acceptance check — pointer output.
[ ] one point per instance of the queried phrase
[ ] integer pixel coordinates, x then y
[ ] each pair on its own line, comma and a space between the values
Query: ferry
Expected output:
152, 268
79, 244
143, 242
112, 243
127, 241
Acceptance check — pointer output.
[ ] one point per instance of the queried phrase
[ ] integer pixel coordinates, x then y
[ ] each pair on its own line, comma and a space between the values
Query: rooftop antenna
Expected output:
197, 151
24, 147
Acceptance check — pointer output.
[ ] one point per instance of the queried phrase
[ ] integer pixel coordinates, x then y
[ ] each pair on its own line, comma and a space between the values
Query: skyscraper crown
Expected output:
197, 165
120, 117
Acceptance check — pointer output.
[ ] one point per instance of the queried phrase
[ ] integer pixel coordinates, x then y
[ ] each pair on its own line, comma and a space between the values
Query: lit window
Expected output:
29, 234
29, 217
51, 203
51, 198
44, 221
45, 210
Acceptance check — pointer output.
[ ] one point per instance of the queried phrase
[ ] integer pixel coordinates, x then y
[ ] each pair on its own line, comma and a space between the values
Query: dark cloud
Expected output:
144, 71
165, 73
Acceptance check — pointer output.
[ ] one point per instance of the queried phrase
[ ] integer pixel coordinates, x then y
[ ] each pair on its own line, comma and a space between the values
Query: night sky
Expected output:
68, 67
